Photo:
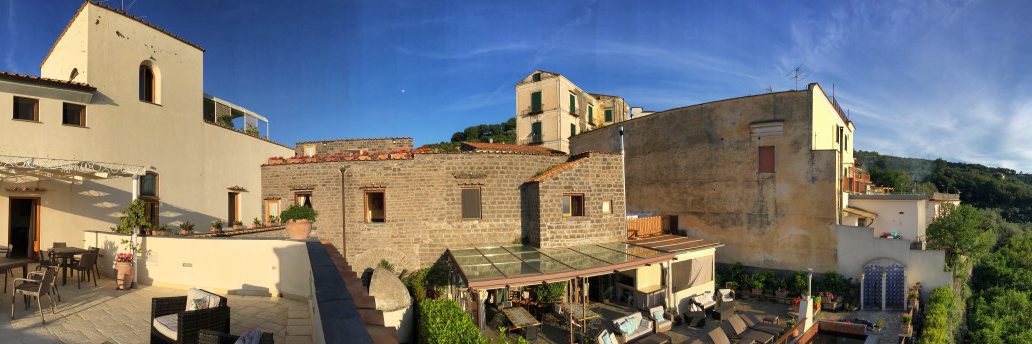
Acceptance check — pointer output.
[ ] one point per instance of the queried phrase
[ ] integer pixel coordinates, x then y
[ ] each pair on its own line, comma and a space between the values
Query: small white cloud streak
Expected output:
468, 53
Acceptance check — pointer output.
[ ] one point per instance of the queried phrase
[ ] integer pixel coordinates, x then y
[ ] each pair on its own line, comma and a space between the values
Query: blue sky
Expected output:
920, 78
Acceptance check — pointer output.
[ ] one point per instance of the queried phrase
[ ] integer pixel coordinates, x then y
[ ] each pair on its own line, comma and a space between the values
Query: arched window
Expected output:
148, 87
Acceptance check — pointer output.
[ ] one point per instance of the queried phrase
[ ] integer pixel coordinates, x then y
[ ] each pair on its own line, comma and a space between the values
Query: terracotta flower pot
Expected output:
125, 274
184, 232
299, 229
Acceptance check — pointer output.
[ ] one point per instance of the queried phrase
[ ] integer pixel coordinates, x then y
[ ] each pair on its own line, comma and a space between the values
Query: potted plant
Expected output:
548, 295
830, 301
124, 265
756, 286
163, 230
186, 228
298, 221
238, 225
295, 159
781, 289
216, 226
816, 303
905, 322
257, 223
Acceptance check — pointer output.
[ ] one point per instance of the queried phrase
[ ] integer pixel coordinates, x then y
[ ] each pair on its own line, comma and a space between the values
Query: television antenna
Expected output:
798, 73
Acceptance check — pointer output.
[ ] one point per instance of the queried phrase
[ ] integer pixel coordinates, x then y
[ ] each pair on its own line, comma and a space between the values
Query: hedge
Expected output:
443, 322
937, 322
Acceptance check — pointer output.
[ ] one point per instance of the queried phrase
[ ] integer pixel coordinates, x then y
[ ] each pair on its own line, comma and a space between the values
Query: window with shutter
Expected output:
573, 129
609, 115
573, 104
535, 102
471, 203
591, 114
767, 159
535, 131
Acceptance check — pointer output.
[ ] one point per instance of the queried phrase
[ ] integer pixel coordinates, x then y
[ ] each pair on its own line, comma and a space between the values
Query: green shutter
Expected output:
609, 115
535, 102
591, 115
573, 104
573, 129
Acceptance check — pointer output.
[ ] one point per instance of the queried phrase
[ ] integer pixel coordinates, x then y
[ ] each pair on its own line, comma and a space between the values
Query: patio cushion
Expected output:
167, 325
199, 299
628, 325
657, 314
607, 338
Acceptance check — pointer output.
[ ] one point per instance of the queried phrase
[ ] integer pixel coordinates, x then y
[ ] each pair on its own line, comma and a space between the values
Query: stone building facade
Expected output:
762, 174
423, 213
326, 147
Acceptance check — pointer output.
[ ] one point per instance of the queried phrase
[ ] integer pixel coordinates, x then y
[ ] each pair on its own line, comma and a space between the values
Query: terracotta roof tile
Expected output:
356, 139
554, 170
46, 81
507, 148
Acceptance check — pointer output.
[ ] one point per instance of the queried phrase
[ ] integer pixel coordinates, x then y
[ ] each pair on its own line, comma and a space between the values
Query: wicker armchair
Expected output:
213, 337
189, 323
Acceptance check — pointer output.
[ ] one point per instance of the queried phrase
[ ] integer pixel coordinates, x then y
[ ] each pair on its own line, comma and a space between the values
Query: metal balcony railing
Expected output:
530, 139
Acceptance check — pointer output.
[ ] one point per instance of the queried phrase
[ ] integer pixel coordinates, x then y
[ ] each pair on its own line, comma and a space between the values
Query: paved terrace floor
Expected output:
104, 315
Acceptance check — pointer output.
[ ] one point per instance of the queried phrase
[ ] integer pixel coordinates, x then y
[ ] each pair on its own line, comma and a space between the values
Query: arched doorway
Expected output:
884, 284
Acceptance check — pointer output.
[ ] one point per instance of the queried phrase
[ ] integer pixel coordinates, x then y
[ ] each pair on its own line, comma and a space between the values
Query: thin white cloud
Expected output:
466, 53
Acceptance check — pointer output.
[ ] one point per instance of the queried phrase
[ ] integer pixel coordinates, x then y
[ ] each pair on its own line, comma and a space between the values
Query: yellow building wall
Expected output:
197, 162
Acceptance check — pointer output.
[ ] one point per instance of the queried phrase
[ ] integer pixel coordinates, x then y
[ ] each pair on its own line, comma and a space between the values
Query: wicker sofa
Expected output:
171, 322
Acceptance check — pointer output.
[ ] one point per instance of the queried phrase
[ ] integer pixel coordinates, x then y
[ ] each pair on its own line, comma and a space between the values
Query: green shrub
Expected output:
299, 212
416, 283
133, 216
550, 292
797, 283
442, 321
937, 317
739, 275
832, 282
766, 280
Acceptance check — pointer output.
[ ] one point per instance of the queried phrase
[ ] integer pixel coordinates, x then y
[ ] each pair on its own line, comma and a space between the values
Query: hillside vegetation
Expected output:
981, 186
504, 132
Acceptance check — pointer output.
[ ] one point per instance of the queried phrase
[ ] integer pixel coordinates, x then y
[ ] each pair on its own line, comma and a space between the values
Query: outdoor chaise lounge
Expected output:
659, 319
746, 334
755, 323
178, 319
631, 327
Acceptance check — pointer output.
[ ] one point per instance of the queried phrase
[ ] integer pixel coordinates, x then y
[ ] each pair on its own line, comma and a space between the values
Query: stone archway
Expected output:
884, 284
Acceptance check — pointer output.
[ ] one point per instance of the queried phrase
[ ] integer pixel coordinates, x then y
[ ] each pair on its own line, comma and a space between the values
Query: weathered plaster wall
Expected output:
700, 163
857, 247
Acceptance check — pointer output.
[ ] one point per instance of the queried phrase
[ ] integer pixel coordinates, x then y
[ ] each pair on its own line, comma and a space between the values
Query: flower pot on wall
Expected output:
299, 229
125, 274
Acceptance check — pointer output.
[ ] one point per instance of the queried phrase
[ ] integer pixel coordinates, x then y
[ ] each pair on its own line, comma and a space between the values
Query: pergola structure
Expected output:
17, 169
20, 169
478, 269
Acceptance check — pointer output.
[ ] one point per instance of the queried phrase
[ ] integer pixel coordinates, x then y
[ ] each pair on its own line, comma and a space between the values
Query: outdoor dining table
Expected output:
520, 317
66, 253
578, 311
11, 263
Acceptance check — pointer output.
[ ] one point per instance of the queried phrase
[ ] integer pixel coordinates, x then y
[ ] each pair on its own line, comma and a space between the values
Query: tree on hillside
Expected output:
961, 231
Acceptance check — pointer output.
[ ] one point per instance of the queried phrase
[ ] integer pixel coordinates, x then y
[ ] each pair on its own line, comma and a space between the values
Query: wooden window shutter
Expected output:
767, 159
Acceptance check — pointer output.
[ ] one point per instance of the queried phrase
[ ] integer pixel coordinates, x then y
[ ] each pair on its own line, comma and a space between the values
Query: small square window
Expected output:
74, 114
26, 109
607, 207
573, 205
471, 203
303, 198
375, 206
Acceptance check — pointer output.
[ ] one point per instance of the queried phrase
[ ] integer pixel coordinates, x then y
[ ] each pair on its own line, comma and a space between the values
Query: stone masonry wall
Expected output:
345, 145
423, 210
700, 163
599, 179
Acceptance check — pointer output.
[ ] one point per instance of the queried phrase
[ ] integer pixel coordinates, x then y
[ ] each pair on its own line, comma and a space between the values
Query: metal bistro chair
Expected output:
86, 265
47, 261
5, 252
96, 266
36, 289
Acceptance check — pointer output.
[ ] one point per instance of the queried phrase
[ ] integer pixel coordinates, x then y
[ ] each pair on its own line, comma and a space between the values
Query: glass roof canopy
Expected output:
516, 265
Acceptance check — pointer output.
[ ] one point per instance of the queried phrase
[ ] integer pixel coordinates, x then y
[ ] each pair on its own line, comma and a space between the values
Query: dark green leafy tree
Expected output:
961, 231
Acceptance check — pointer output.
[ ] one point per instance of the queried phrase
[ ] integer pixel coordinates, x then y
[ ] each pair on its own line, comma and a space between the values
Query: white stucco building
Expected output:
119, 100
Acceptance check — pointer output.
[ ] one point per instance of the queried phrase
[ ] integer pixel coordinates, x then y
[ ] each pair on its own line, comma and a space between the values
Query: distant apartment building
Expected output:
550, 109
767, 175
118, 112
344, 146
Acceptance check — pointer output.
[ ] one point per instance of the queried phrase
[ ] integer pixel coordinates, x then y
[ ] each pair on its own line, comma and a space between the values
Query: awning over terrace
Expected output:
675, 243
519, 265
20, 169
